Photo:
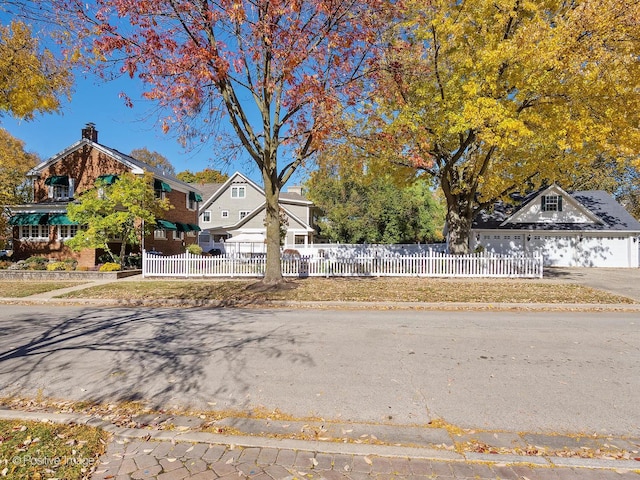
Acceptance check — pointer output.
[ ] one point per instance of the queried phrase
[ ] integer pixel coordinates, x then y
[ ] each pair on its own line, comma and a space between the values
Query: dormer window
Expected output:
551, 203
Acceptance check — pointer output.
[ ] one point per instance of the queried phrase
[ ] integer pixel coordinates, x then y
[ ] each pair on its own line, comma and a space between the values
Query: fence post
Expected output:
144, 263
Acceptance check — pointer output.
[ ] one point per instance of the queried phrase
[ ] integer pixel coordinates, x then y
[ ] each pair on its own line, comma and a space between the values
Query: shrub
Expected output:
36, 263
57, 267
4, 264
110, 267
83, 268
194, 249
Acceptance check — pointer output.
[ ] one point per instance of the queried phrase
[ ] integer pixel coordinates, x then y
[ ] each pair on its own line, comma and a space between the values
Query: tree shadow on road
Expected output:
162, 357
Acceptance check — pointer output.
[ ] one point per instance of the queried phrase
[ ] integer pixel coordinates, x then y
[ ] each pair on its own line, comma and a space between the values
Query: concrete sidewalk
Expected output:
186, 453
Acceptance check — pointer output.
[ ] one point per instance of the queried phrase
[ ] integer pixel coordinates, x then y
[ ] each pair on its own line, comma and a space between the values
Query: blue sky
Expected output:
119, 127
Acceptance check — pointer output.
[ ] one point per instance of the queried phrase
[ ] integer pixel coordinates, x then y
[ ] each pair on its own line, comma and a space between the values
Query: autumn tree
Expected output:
275, 69
32, 80
126, 209
15, 162
208, 175
154, 159
492, 97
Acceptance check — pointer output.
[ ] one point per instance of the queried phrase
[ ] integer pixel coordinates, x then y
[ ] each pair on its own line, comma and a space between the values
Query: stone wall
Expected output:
46, 276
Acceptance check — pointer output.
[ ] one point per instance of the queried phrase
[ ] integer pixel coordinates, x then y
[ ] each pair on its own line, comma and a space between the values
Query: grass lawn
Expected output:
39, 450
356, 289
17, 289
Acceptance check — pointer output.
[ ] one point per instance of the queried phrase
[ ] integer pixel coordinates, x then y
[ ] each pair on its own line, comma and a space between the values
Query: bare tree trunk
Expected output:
459, 213
273, 268
459, 229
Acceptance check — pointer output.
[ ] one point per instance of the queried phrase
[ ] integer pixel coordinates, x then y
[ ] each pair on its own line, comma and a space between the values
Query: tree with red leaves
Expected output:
279, 70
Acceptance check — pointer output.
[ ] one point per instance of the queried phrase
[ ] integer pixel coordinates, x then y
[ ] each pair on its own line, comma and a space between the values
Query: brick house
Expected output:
41, 226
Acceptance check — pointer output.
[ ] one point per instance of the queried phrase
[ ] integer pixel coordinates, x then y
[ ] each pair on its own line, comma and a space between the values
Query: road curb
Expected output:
427, 306
317, 446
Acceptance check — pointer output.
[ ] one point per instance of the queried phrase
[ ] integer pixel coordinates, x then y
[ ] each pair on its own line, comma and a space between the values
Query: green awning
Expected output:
160, 185
107, 179
195, 197
194, 228
60, 219
28, 219
166, 225
57, 180
182, 227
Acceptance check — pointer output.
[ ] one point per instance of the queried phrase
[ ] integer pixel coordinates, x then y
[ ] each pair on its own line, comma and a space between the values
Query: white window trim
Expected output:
178, 235
239, 191
207, 213
69, 230
224, 214
160, 234
245, 212
42, 229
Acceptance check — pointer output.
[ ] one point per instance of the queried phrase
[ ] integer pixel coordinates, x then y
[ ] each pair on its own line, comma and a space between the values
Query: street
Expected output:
516, 371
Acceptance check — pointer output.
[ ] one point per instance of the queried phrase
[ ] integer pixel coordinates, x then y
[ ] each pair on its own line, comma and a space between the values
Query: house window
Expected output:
60, 187
496, 237
34, 232
238, 192
178, 235
206, 216
191, 204
160, 234
191, 233
299, 239
67, 231
225, 213
551, 203
244, 213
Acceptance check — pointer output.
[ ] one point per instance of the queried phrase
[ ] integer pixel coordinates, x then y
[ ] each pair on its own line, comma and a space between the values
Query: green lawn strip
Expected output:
356, 290
40, 450
17, 289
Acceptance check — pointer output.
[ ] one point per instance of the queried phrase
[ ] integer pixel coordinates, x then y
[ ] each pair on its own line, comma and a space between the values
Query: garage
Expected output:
581, 229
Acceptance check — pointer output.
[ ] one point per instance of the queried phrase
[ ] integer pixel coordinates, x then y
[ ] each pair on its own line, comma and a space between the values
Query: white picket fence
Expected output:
428, 264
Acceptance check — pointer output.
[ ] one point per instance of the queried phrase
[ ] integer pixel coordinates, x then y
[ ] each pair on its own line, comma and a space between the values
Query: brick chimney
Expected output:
90, 133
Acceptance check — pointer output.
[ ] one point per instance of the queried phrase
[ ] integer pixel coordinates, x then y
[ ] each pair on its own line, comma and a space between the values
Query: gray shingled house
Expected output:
579, 229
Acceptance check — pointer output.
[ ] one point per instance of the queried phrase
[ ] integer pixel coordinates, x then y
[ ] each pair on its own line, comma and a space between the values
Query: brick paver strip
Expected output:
206, 475
169, 464
277, 472
286, 458
195, 465
214, 453
145, 473
143, 461
222, 468
196, 451
178, 474
267, 456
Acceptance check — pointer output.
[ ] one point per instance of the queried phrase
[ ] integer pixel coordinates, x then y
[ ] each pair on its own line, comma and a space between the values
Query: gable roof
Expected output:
607, 213
212, 191
136, 166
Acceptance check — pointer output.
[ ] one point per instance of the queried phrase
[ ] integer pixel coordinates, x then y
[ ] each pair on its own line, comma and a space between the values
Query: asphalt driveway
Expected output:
621, 281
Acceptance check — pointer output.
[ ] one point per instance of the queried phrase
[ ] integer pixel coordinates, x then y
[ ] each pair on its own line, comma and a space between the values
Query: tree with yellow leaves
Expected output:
494, 97
31, 80
15, 162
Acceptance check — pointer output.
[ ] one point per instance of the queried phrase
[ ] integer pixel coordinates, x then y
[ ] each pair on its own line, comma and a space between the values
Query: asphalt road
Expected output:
526, 371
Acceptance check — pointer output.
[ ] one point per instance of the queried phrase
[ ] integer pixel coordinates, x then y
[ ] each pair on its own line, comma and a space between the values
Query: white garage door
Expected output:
557, 250
603, 252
